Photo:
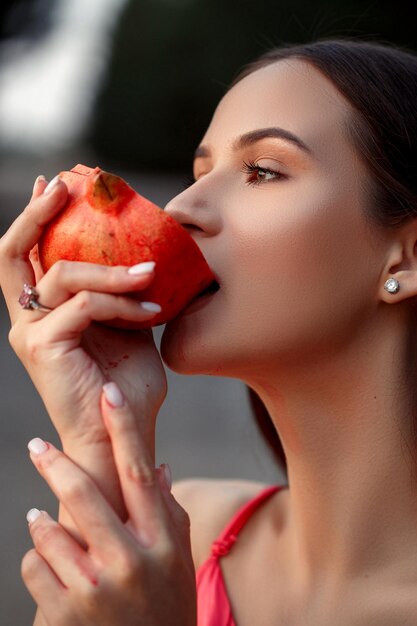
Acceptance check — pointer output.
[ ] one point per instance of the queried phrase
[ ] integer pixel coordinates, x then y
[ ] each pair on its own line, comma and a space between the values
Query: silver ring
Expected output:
29, 299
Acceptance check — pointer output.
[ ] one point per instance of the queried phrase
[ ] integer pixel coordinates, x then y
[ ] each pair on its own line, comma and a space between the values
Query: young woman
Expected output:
305, 205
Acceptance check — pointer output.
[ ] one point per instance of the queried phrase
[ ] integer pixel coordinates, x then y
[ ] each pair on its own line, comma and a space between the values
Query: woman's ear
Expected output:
401, 266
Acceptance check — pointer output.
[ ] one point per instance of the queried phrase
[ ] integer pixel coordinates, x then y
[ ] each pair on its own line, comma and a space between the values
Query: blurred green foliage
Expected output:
172, 61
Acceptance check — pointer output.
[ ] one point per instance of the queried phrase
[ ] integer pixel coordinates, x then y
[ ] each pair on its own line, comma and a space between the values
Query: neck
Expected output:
345, 422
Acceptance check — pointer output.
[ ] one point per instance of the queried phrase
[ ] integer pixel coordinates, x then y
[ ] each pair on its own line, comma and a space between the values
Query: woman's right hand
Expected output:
66, 353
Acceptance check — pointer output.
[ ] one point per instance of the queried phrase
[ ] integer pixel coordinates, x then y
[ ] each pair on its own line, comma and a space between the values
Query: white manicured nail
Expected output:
152, 307
52, 184
37, 446
38, 180
113, 395
32, 515
142, 268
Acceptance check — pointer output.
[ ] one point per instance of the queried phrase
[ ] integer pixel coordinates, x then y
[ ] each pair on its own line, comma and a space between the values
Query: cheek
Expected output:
299, 271
298, 280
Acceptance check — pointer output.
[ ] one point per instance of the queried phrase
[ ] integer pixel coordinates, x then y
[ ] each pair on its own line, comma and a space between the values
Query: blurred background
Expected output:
131, 85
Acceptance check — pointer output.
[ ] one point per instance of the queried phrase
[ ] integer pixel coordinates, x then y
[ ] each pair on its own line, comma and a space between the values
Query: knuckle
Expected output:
31, 347
140, 473
15, 338
24, 346
77, 491
59, 270
83, 300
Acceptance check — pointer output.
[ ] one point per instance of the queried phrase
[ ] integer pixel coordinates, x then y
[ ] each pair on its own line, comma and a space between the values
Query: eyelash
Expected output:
251, 167
248, 168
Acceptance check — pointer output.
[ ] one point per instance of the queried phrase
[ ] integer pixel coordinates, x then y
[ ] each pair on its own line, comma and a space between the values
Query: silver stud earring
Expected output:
392, 285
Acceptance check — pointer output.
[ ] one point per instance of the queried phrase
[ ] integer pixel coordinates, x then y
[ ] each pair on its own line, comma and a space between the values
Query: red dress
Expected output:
212, 601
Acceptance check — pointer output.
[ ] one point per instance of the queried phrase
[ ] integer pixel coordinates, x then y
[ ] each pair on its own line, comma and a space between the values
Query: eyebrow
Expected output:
254, 136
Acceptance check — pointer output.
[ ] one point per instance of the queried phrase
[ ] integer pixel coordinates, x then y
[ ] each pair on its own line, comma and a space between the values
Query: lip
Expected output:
198, 303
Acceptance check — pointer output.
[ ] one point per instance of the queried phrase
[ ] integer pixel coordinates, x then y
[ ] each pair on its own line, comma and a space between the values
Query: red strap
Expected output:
229, 535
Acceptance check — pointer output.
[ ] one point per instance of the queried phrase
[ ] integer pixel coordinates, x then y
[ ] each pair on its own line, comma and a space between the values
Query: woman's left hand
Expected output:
128, 574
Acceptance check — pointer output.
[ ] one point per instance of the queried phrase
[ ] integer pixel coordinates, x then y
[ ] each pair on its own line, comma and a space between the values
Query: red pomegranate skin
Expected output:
105, 221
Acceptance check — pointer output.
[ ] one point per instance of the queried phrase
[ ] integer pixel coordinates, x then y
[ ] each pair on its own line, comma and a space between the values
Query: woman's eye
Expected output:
259, 174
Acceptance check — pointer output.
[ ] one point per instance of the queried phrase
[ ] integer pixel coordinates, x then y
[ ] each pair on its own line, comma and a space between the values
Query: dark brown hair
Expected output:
380, 83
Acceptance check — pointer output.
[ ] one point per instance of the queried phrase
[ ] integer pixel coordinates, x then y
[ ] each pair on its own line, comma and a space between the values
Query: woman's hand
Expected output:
68, 355
130, 574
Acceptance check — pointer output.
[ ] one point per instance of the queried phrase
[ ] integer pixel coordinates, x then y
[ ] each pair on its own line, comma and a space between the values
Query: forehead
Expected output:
290, 93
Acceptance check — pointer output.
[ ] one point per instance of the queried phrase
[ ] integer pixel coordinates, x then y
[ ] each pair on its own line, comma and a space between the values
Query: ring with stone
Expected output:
29, 299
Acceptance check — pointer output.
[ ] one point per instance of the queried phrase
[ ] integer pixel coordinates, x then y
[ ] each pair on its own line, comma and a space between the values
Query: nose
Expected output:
194, 210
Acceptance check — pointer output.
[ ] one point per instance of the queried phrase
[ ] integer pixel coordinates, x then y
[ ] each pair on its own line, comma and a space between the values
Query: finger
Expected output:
179, 515
165, 482
39, 187
44, 587
26, 230
95, 519
64, 555
138, 479
66, 278
21, 237
68, 321
34, 261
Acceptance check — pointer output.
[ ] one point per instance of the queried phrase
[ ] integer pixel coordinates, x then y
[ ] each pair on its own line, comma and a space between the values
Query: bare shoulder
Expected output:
210, 504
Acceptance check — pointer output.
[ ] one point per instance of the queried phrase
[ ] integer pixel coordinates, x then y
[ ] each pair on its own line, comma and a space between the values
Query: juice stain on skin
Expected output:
113, 364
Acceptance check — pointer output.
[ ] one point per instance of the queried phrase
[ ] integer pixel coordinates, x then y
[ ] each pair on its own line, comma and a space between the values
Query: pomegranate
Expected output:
105, 221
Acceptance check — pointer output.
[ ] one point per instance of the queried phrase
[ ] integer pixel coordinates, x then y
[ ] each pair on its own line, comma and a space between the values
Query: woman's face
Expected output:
277, 211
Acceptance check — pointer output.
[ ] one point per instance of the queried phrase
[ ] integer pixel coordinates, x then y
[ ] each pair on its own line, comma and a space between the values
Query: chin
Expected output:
176, 353
185, 354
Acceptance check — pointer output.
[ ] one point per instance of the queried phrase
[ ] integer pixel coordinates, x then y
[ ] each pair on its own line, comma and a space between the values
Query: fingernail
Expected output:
152, 307
37, 446
32, 515
142, 268
52, 184
113, 395
40, 178
167, 474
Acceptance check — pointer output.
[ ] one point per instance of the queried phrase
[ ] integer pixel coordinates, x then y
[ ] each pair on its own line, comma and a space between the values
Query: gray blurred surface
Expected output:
204, 427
